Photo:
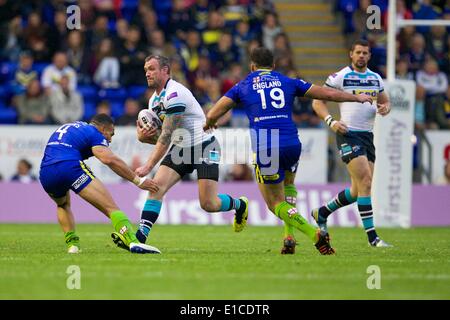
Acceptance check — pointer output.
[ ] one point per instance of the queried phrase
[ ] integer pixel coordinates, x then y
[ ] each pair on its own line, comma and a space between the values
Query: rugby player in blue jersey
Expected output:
62, 169
354, 136
267, 97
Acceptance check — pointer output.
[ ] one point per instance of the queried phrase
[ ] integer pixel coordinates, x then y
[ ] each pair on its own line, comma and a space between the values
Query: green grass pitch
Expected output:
213, 262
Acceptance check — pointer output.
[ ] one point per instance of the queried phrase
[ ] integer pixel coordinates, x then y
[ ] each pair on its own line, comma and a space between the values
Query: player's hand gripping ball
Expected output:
149, 119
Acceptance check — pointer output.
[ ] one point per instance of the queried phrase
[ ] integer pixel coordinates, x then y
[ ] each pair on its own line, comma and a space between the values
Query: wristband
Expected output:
329, 120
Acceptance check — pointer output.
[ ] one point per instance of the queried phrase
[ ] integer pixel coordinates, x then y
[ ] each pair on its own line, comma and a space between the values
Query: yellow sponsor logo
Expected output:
369, 92
272, 177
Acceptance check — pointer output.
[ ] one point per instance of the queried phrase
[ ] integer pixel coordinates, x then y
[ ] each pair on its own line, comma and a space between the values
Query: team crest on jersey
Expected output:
256, 79
334, 75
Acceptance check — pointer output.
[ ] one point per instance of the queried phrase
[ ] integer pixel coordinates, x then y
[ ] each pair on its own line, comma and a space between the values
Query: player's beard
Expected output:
361, 64
153, 85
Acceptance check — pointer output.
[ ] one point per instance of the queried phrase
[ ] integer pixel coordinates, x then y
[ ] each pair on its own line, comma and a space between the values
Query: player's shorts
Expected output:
59, 177
354, 144
204, 158
270, 168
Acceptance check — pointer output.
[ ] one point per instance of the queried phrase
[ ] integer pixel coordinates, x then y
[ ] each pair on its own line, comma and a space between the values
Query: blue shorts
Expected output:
270, 165
59, 177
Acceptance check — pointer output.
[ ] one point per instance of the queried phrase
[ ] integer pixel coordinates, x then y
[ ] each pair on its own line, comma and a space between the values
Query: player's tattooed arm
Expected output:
170, 124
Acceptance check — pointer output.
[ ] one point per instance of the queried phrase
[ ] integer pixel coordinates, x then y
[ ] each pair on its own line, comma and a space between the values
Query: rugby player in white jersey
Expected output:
190, 149
354, 136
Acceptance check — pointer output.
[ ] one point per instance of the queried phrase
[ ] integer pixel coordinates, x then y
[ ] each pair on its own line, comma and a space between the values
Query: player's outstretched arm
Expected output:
220, 108
170, 124
107, 157
146, 135
329, 94
321, 110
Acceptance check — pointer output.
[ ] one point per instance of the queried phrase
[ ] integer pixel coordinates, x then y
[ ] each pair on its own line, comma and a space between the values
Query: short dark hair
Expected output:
262, 57
102, 119
162, 61
360, 42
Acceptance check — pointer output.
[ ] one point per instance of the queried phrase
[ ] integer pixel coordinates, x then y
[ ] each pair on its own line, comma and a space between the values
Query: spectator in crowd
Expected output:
33, 105
214, 29
159, 45
199, 13
233, 12
402, 70
437, 44
417, 52
24, 174
213, 94
445, 179
233, 75
270, 29
35, 35
150, 24
11, 46
98, 32
242, 37
224, 53
131, 56
180, 21
103, 107
78, 55
258, 11
66, 103
202, 75
190, 52
24, 73
435, 85
107, 67
131, 112
176, 71
122, 27
52, 74
57, 37
282, 47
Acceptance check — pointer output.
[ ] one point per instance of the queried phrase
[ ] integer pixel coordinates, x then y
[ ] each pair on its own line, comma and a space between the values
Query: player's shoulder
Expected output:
371, 73
175, 89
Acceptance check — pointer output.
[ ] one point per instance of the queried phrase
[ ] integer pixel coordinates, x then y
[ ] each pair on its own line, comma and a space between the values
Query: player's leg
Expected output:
274, 197
97, 195
342, 199
360, 170
378, 242
290, 193
67, 223
211, 201
165, 177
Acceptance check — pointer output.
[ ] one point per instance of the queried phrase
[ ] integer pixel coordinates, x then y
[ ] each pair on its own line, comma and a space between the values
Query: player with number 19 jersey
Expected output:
267, 97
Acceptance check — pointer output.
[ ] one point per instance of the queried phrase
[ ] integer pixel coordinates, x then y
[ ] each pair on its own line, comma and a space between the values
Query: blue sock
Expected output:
228, 203
149, 216
366, 213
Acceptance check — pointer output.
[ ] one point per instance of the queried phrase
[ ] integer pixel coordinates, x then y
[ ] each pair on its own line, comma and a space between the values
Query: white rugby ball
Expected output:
149, 119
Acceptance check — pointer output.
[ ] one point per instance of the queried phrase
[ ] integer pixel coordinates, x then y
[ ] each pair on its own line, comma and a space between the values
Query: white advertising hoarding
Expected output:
392, 181
29, 142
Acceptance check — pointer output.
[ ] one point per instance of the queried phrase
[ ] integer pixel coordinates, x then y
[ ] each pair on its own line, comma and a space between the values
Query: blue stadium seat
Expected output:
136, 91
89, 110
8, 116
40, 66
113, 94
7, 70
117, 109
88, 92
